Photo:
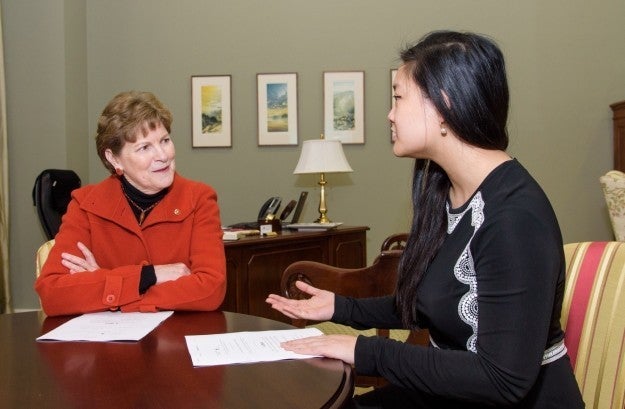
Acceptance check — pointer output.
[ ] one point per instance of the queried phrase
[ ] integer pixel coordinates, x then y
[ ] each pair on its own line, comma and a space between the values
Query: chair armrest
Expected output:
372, 281
395, 242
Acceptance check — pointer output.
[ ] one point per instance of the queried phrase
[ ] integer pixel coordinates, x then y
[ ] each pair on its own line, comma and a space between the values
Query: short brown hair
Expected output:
126, 114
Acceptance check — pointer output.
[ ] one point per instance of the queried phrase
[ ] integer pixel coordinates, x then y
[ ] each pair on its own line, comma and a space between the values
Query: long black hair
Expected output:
464, 76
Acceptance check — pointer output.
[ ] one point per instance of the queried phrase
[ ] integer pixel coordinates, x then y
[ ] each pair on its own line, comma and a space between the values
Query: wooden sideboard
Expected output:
255, 264
618, 109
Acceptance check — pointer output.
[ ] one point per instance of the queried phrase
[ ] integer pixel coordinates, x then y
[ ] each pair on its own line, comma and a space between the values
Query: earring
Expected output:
119, 171
443, 130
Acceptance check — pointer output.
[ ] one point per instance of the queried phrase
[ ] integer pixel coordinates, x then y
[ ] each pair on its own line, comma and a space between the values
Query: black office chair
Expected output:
51, 195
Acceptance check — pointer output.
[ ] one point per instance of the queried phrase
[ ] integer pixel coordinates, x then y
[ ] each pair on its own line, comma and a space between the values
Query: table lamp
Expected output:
322, 156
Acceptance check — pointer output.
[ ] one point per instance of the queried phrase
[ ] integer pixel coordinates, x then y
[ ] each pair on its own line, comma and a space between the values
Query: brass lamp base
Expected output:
323, 219
322, 202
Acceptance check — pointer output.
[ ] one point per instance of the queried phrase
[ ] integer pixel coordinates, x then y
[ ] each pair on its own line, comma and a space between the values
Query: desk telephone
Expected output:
270, 207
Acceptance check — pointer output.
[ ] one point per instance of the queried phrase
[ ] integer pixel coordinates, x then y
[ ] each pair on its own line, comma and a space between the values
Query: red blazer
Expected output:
184, 227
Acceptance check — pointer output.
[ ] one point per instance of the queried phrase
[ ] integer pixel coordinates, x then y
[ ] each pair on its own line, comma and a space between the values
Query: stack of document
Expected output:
107, 326
313, 226
245, 347
236, 234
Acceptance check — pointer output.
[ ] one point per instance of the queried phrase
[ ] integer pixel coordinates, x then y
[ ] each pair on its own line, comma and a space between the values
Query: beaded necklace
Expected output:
141, 209
151, 200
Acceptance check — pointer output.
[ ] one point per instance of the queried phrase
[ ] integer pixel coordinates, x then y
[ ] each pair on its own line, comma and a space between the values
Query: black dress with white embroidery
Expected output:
491, 300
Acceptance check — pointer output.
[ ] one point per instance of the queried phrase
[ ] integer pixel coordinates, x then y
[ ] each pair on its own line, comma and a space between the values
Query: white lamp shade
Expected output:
322, 156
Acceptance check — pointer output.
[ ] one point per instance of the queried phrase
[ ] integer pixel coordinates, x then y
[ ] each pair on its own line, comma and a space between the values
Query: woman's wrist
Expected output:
148, 278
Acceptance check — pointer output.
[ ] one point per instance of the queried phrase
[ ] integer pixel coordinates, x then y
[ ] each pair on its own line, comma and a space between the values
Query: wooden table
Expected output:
157, 372
254, 265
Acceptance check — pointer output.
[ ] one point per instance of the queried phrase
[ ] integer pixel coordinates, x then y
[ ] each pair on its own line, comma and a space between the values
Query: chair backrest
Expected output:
51, 195
593, 317
613, 185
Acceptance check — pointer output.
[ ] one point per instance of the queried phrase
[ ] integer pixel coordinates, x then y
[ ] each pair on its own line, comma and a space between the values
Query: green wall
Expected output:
65, 59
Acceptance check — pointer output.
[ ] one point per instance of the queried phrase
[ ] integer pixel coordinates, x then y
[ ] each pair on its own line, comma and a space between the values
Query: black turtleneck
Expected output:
144, 201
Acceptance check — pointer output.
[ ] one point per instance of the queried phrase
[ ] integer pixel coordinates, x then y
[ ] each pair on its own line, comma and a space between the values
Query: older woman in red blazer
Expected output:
145, 238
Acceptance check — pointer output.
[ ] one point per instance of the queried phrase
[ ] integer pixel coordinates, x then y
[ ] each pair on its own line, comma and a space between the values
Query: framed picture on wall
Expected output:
343, 106
393, 74
211, 111
277, 109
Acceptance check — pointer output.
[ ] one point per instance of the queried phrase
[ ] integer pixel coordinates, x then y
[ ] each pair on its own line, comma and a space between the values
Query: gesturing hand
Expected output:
320, 307
77, 264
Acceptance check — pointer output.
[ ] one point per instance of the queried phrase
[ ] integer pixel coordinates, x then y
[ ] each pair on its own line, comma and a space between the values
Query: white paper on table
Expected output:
107, 326
245, 347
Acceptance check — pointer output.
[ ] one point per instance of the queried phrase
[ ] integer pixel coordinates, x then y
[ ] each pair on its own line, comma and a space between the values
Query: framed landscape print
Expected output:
343, 106
211, 111
393, 74
277, 109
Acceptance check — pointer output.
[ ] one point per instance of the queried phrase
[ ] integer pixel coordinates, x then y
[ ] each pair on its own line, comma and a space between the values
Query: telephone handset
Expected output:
287, 210
271, 206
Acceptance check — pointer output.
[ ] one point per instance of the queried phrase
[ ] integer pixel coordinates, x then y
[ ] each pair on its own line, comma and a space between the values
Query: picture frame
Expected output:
344, 102
211, 112
393, 74
277, 109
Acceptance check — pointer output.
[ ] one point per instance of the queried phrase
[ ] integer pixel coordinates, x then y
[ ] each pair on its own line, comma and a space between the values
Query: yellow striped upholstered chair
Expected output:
593, 317
42, 255
613, 185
